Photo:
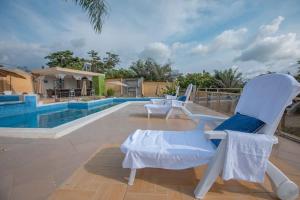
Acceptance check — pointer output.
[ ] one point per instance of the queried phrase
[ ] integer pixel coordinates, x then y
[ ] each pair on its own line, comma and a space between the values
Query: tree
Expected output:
151, 70
95, 61
201, 80
228, 78
103, 65
110, 61
96, 10
120, 73
139, 68
64, 59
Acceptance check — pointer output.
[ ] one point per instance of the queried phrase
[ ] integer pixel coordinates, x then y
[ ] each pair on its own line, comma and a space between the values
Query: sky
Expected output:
254, 36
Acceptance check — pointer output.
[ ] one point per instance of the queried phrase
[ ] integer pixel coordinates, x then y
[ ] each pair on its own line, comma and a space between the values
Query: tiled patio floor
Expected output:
86, 164
102, 177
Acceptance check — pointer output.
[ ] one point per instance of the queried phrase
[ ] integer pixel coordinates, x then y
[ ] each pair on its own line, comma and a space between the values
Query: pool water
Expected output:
49, 119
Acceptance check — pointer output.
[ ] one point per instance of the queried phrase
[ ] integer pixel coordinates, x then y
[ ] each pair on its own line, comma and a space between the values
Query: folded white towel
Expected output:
247, 156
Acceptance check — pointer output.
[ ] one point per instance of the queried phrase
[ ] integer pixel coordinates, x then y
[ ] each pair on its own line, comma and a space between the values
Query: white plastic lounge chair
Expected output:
7, 92
166, 107
167, 97
265, 98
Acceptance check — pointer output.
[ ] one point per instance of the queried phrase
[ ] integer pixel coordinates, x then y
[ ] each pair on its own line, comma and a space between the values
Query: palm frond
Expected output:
96, 9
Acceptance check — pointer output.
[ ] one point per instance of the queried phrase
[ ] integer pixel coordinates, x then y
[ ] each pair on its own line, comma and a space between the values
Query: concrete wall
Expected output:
116, 88
152, 89
18, 85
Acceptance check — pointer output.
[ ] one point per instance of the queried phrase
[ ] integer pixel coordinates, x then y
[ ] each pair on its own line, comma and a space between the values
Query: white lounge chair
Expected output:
7, 92
167, 97
166, 106
265, 98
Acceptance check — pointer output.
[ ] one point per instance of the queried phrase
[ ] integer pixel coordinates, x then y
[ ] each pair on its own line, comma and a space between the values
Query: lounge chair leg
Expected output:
131, 176
148, 115
169, 114
282, 185
212, 172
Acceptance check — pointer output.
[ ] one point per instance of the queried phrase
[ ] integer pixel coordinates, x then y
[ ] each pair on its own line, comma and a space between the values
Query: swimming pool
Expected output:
57, 114
50, 118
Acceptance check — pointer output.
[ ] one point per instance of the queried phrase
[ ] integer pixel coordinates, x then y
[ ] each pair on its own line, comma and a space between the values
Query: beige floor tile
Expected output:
70, 194
143, 196
109, 191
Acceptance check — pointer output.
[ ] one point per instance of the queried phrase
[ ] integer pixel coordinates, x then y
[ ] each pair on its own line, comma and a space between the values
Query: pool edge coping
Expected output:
61, 130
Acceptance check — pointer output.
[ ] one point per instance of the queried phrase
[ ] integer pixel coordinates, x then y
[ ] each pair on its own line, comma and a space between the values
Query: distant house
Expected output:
63, 82
51, 82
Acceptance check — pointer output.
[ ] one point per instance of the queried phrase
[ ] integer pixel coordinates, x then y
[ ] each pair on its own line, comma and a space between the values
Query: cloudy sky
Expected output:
256, 36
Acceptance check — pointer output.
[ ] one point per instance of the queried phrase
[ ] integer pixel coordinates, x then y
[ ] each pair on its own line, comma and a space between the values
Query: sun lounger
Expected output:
263, 98
167, 97
167, 106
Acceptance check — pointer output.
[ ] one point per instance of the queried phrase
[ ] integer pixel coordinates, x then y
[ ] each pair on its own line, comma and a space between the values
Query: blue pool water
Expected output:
53, 115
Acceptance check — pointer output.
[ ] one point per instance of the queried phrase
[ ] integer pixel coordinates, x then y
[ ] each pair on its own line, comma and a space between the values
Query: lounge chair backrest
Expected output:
188, 92
266, 97
177, 91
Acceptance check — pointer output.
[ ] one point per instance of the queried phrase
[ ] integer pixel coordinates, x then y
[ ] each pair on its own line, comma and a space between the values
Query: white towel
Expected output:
166, 149
247, 156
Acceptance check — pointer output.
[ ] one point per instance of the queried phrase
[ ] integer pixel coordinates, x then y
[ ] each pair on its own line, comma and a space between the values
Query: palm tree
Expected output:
228, 78
96, 9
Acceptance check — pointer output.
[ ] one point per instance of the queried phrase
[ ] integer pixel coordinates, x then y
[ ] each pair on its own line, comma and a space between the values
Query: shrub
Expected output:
110, 92
170, 89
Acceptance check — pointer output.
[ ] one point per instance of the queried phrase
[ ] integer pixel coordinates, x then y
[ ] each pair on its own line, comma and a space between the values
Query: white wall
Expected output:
50, 82
70, 83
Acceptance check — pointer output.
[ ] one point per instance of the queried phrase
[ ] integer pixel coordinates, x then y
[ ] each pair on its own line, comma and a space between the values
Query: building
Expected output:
65, 82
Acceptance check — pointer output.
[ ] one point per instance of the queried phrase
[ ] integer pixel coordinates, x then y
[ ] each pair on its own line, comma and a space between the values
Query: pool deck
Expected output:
86, 164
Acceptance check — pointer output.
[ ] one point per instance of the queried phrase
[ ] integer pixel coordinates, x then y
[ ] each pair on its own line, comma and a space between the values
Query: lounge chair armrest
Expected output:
222, 135
215, 135
210, 118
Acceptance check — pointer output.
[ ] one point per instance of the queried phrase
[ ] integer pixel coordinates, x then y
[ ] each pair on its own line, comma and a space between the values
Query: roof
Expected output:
11, 72
66, 71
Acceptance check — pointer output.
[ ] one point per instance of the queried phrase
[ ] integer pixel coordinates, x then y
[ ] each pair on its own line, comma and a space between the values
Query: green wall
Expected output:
99, 84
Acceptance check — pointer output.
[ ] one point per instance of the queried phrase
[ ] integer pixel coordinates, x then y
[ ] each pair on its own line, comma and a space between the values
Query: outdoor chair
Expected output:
167, 97
263, 100
167, 106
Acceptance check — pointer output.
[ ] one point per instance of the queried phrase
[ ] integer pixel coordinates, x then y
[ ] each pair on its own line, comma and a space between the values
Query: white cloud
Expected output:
186, 31
201, 49
272, 27
229, 39
266, 49
158, 51
176, 46
18, 53
254, 68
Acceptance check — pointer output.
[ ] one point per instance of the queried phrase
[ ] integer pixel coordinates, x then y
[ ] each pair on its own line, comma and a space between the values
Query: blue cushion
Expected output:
239, 122
181, 98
